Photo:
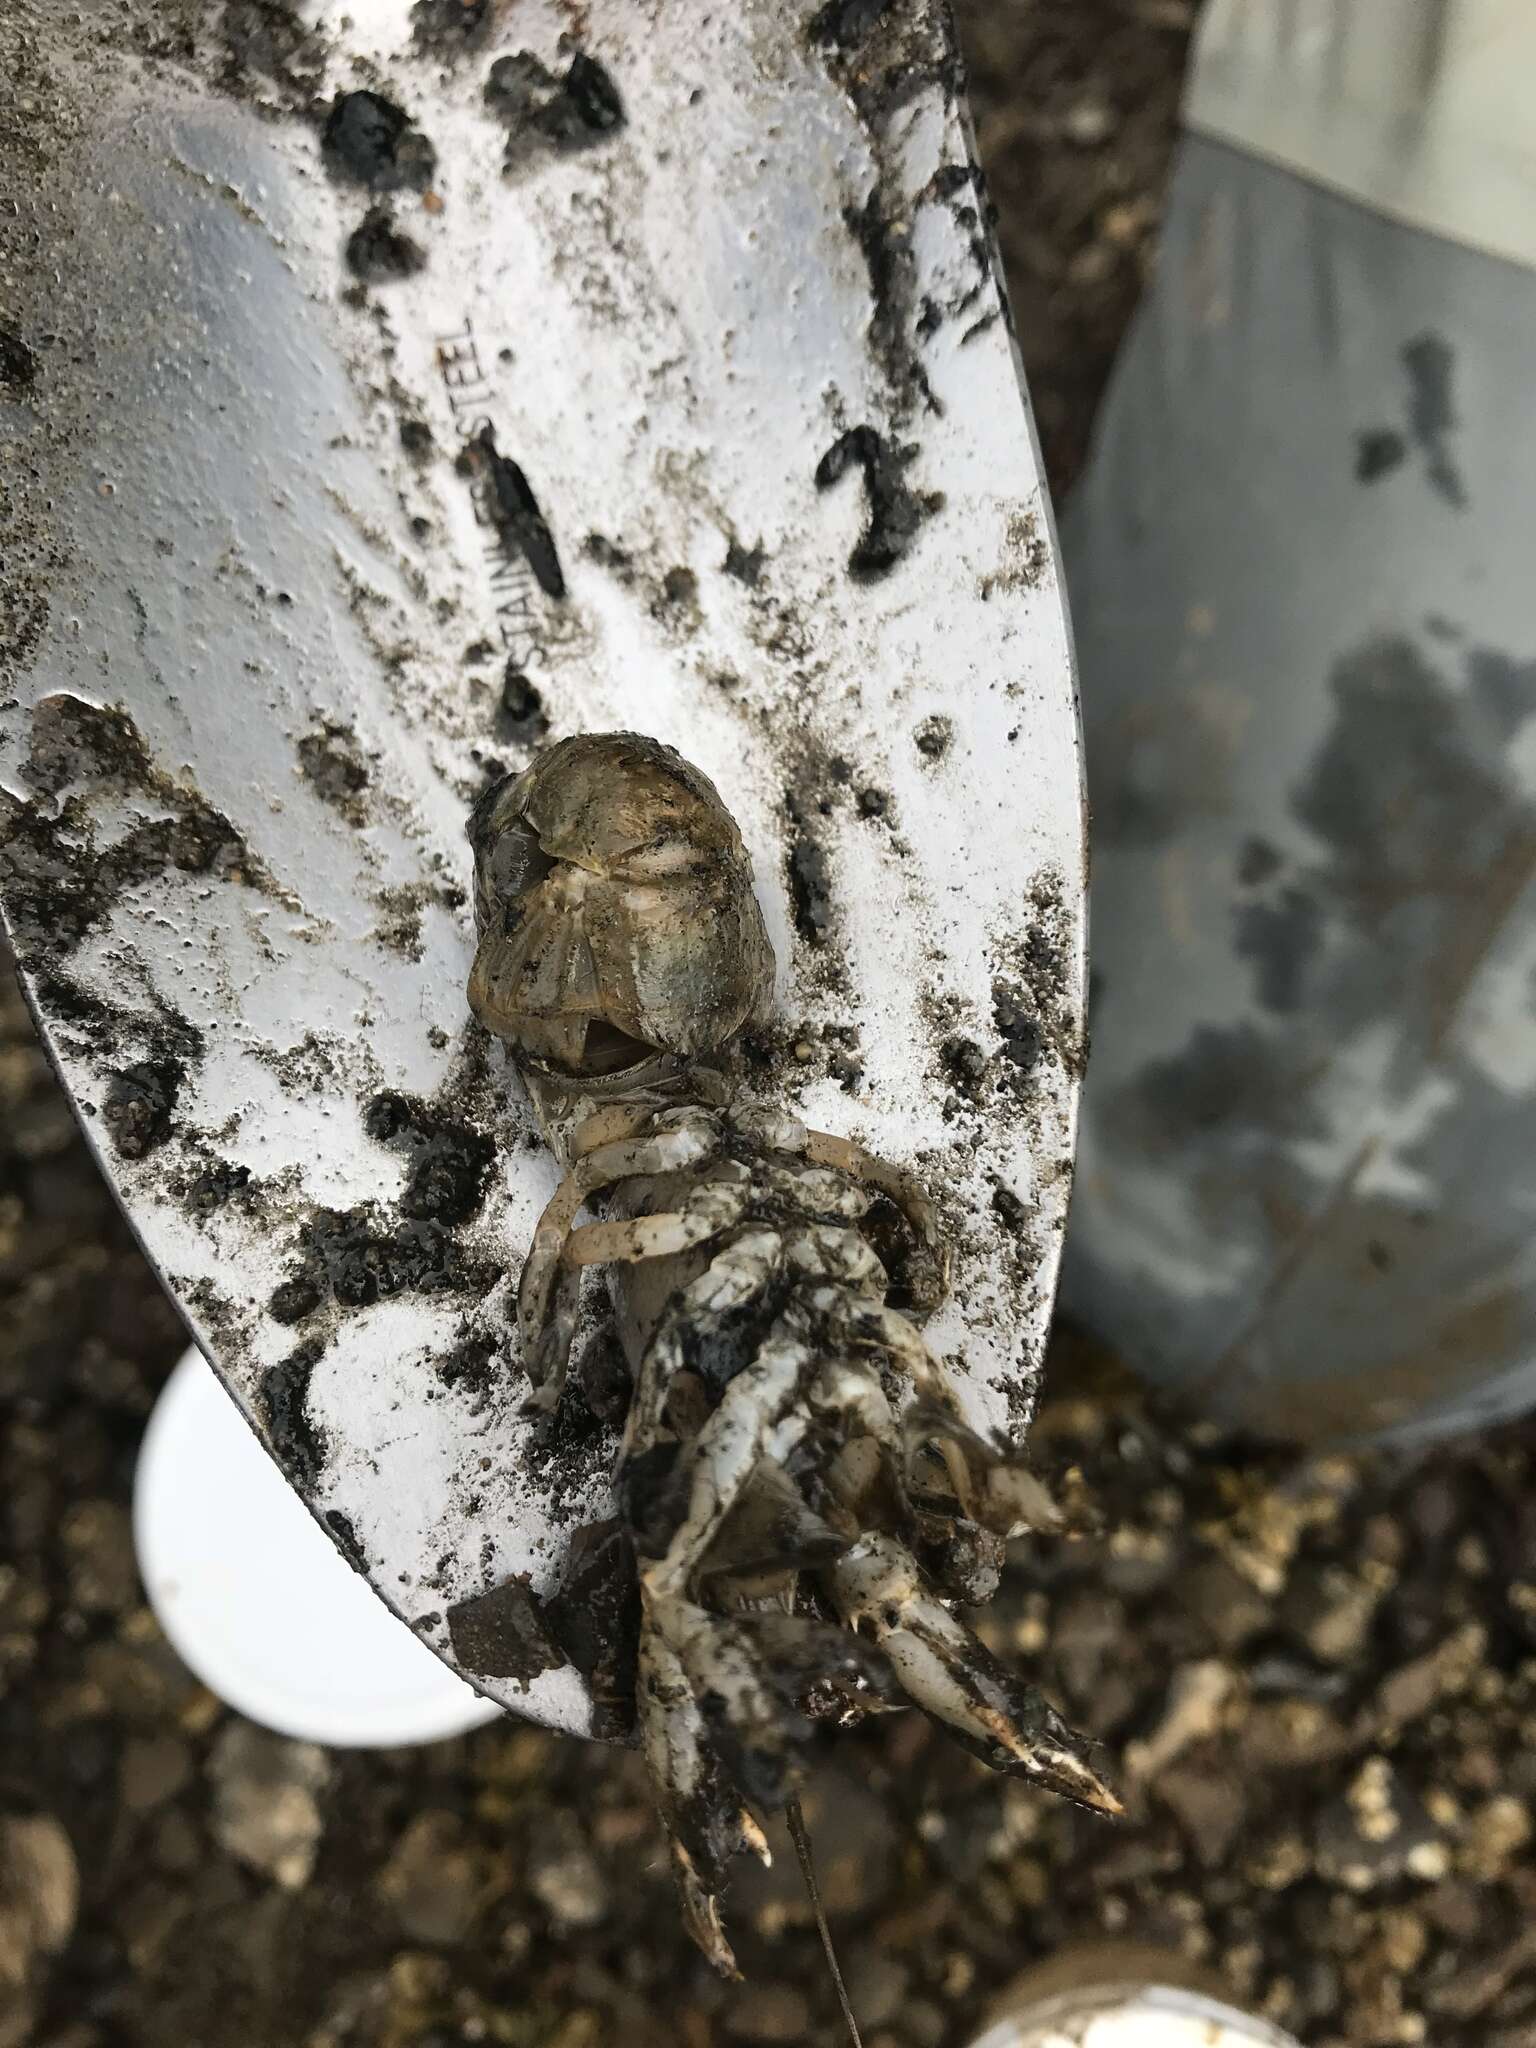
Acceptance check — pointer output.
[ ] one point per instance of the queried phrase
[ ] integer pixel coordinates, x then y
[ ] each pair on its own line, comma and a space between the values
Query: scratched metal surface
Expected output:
258, 649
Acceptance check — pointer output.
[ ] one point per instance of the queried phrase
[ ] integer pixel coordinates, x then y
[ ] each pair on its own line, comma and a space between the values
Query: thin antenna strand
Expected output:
794, 1815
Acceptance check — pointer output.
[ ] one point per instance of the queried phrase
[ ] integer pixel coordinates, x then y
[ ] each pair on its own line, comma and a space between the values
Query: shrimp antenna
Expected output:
795, 1817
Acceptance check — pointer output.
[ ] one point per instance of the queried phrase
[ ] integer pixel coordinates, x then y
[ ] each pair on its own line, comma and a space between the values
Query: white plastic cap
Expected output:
1139, 2016
257, 1601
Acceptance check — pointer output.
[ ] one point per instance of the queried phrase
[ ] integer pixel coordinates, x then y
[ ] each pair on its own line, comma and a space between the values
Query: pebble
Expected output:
39, 1898
1196, 1694
1378, 1834
98, 1544
1209, 1803
266, 1809
565, 1876
434, 1881
770, 2012
877, 1985
1329, 1611
923, 2024
1495, 1834
154, 1769
1088, 123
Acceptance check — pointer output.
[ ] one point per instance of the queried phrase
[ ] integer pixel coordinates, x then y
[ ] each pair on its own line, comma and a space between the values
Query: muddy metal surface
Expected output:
1317, 1677
317, 532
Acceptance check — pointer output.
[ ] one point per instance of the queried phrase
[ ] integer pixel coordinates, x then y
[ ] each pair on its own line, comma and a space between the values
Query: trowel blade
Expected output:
624, 366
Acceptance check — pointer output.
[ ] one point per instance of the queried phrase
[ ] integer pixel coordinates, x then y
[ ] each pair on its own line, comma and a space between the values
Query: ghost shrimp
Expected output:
804, 1498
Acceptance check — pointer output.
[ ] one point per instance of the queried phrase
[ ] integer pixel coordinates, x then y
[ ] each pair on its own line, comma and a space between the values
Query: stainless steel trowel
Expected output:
385, 389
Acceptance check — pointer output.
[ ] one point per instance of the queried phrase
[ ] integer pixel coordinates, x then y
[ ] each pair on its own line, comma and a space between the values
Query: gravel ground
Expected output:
1317, 1676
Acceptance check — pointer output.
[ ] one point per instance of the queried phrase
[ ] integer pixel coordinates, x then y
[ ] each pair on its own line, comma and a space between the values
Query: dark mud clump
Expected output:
368, 140
885, 241
896, 511
678, 596
378, 253
347, 1541
810, 878
298, 1446
139, 1106
843, 24
510, 505
965, 1065
745, 564
416, 439
520, 714
449, 28
219, 1183
450, 1163
544, 112
502, 1634
330, 760
18, 365
595, 1620
1018, 1025
884, 55
267, 37
934, 737
1031, 1005
352, 1258
472, 1364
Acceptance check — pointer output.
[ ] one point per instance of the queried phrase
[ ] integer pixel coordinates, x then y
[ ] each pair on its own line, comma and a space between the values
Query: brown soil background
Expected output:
1318, 1675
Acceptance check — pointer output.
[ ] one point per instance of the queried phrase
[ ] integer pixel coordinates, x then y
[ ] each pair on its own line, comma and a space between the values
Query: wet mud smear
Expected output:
330, 760
59, 886
353, 1258
896, 511
347, 1541
297, 1445
450, 1162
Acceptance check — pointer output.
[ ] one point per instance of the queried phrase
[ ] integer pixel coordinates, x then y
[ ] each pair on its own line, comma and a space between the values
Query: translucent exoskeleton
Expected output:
805, 1501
